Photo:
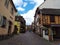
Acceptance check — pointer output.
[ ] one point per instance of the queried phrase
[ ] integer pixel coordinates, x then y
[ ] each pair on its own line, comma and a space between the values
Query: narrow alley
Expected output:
28, 38
29, 22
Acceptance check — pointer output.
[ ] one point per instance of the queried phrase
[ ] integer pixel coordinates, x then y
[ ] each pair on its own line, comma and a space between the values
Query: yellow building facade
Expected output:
17, 24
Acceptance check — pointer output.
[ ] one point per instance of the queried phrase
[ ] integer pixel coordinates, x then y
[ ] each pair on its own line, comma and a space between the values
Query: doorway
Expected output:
56, 33
9, 28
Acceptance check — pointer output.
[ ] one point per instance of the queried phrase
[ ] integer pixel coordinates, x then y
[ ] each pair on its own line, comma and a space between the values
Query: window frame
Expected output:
52, 18
6, 3
0, 20
46, 32
4, 20
12, 9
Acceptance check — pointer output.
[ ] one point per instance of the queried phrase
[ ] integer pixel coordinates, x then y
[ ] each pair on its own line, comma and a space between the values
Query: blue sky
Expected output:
29, 5
26, 8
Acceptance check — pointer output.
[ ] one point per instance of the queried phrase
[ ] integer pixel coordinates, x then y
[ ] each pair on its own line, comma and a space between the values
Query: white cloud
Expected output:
20, 9
38, 1
24, 4
29, 0
29, 16
32, 2
18, 2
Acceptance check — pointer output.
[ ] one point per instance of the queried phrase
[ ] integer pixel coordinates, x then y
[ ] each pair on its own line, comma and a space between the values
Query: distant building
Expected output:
17, 27
28, 28
7, 17
32, 27
22, 23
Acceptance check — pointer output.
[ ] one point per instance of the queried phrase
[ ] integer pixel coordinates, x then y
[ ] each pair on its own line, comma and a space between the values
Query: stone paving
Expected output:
57, 42
28, 38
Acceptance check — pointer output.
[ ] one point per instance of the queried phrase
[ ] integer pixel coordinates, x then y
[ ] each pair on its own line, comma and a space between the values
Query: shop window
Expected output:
4, 22
46, 32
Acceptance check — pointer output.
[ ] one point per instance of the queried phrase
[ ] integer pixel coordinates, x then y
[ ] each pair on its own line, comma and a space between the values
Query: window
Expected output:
46, 19
46, 32
11, 17
59, 19
39, 20
43, 19
9, 27
6, 3
4, 22
52, 18
17, 19
0, 20
11, 10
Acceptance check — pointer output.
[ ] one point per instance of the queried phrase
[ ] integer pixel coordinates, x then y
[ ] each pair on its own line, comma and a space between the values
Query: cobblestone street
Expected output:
28, 38
29, 22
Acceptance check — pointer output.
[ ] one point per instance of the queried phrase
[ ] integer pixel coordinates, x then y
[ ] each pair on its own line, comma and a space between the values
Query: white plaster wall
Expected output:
50, 4
45, 36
